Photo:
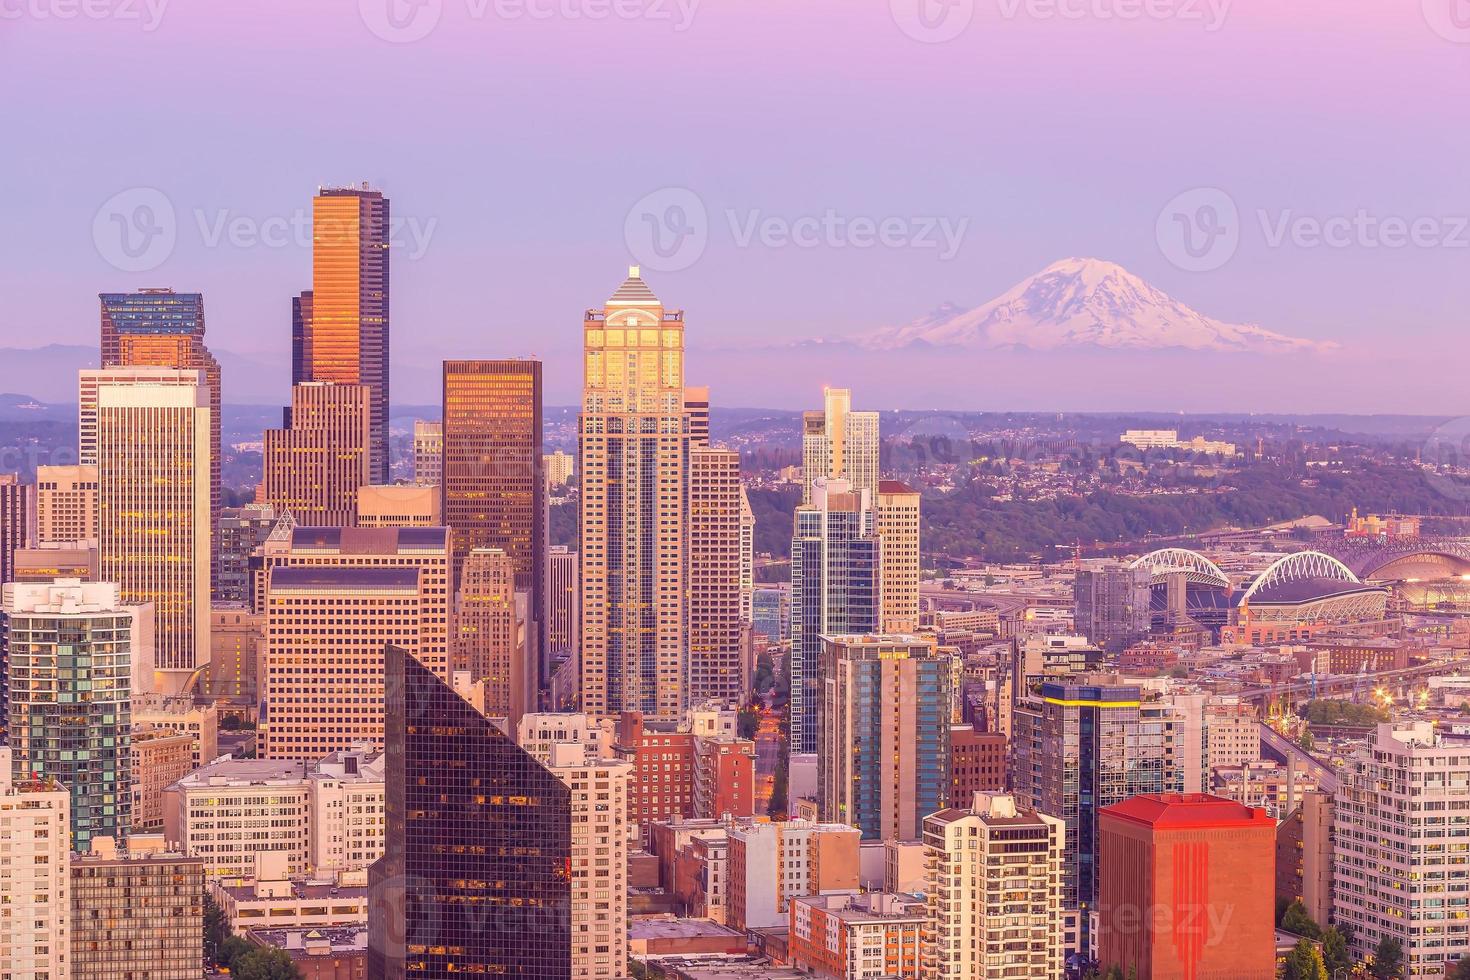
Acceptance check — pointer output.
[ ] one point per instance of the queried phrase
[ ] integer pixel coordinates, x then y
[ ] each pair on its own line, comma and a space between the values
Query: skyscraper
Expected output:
71, 662
340, 329
162, 328
835, 588
696, 406
747, 558
476, 875
491, 635
17, 519
883, 762
715, 635
633, 450
153, 514
562, 603
1112, 605
314, 467
428, 453
838, 443
898, 532
494, 492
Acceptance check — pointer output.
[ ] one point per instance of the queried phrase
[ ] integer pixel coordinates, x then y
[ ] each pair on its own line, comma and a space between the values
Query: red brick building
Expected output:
977, 764
661, 786
724, 777
1187, 888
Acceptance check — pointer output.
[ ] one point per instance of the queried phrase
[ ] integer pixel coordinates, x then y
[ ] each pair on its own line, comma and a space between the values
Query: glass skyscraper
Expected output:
475, 878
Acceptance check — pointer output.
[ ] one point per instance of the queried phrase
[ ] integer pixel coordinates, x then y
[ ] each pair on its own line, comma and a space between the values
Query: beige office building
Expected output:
153, 507
838, 443
236, 638
398, 505
313, 468
715, 662
66, 504
428, 453
559, 468
633, 447
35, 890
994, 886
898, 540
563, 602
161, 757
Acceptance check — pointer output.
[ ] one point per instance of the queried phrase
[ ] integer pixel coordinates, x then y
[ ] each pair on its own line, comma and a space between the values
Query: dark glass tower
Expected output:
475, 876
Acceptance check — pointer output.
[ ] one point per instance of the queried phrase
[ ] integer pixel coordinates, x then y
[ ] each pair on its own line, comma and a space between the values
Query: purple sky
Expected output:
521, 142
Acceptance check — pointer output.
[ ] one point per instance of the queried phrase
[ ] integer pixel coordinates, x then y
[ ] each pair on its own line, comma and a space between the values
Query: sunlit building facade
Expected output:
314, 467
838, 443
715, 635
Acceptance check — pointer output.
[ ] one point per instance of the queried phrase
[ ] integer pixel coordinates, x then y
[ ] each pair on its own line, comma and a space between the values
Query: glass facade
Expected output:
476, 873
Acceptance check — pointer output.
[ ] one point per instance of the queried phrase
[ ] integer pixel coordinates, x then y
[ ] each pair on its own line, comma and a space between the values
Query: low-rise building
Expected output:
854, 937
772, 863
332, 953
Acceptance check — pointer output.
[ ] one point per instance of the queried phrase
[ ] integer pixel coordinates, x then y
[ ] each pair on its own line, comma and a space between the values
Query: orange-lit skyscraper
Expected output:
634, 448
493, 485
339, 329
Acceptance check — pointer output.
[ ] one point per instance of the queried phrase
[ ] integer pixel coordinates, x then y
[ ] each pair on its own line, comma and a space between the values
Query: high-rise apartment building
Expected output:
326, 627
1401, 799
1183, 894
314, 467
492, 640
340, 329
633, 450
153, 430
715, 631
1304, 846
136, 915
747, 558
1076, 748
898, 534
71, 664
428, 452
560, 466
993, 883
493, 487
839, 444
1112, 605
883, 757
17, 520
35, 891
563, 603
66, 504
836, 588
162, 328
477, 871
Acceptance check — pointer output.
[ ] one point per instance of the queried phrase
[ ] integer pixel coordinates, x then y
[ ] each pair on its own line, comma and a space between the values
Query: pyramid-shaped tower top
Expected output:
634, 292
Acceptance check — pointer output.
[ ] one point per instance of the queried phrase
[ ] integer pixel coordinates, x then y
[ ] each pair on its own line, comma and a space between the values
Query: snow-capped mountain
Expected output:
1084, 302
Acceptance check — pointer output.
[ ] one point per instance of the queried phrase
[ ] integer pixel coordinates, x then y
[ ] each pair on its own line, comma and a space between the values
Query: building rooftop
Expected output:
667, 928
319, 940
369, 540
1183, 811
300, 890
344, 577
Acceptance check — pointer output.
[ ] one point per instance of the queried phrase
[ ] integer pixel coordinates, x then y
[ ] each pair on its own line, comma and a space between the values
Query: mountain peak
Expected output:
1084, 302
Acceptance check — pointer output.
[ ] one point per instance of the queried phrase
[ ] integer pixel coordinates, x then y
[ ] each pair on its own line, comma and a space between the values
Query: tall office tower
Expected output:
136, 915
326, 626
1398, 798
993, 884
1112, 605
883, 761
747, 558
422, 548
314, 467
241, 531
153, 514
492, 640
1074, 750
162, 328
633, 449
71, 662
428, 453
1191, 864
714, 578
17, 520
476, 875
839, 444
562, 598
835, 589
493, 489
599, 865
770, 613
66, 504
696, 406
35, 891
339, 329
898, 534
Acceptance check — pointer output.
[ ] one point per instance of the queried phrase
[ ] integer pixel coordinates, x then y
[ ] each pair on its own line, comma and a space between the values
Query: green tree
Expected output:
216, 930
1298, 922
1388, 959
265, 963
748, 722
1304, 962
1335, 951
